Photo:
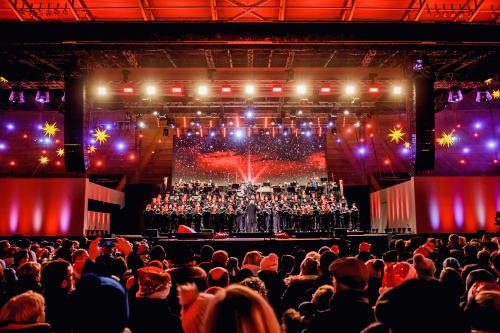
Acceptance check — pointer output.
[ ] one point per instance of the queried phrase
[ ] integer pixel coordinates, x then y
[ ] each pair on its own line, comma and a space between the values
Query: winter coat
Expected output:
296, 286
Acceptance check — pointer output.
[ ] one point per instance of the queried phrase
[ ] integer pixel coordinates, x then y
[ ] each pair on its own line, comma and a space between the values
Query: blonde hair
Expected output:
26, 308
325, 290
241, 310
28, 271
252, 258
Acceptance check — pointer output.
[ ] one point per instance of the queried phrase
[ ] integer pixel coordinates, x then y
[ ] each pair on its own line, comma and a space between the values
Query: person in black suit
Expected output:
252, 217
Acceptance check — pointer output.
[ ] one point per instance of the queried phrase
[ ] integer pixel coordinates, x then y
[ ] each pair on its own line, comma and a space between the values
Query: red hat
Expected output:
364, 247
429, 247
422, 250
395, 273
155, 263
335, 249
350, 272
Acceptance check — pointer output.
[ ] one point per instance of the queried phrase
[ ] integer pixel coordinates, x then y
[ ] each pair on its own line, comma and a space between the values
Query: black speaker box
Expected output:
340, 232
424, 123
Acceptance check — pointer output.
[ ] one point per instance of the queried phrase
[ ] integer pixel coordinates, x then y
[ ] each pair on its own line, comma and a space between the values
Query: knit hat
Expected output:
452, 263
351, 272
153, 279
269, 263
364, 247
335, 249
78, 268
194, 307
314, 255
395, 273
374, 265
309, 266
423, 266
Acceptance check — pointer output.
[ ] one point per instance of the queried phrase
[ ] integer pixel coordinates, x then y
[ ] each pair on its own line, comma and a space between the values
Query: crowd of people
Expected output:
319, 208
418, 285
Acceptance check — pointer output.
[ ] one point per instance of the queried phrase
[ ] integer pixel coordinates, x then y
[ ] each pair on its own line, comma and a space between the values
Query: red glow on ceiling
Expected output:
495, 161
368, 125
159, 141
386, 161
458, 126
58, 163
98, 163
348, 130
140, 135
176, 89
25, 136
128, 90
462, 161
475, 134
12, 163
131, 157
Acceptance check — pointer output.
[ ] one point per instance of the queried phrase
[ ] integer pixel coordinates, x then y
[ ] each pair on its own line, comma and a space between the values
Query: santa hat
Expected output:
194, 307
269, 263
395, 273
364, 247
335, 249
423, 251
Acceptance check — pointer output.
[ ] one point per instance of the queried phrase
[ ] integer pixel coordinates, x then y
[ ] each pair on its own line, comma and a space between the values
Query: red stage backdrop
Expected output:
438, 205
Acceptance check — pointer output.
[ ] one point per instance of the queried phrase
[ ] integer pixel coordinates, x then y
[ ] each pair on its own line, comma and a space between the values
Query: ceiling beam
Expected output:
497, 19
461, 12
476, 11
132, 60
210, 59
289, 59
43, 61
368, 58
213, 8
270, 59
351, 13
250, 58
72, 9
170, 58
407, 13
247, 9
420, 11
32, 12
282, 10
13, 7
230, 58
347, 3
87, 12
111, 59
329, 59
143, 11
151, 15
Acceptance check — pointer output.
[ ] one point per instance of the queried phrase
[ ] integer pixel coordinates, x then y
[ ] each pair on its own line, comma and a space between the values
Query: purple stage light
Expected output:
10, 126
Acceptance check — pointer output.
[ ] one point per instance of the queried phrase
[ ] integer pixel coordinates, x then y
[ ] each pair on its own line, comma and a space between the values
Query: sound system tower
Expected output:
74, 153
424, 123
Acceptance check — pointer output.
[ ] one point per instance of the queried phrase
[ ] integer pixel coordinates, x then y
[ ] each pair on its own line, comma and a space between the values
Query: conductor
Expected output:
252, 217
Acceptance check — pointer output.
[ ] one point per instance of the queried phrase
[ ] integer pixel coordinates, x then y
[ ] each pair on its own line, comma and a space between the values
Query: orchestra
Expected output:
245, 207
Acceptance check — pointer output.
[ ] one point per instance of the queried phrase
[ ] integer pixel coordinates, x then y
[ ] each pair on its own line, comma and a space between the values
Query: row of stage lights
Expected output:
250, 89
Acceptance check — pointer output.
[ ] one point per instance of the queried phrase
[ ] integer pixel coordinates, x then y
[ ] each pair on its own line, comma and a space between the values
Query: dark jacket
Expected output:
374, 285
19, 287
296, 287
320, 281
153, 315
365, 256
105, 258
252, 213
26, 328
58, 309
349, 312
274, 285
182, 275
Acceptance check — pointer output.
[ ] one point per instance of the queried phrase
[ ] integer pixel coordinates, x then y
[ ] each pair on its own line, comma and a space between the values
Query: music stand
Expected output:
276, 190
290, 189
207, 189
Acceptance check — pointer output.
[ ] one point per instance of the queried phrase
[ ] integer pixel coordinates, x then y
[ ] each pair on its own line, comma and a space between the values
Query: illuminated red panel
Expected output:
277, 89
201, 131
128, 90
176, 89
325, 89
226, 89
373, 89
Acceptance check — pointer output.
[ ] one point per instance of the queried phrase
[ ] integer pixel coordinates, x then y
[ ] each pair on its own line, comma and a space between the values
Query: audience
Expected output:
419, 285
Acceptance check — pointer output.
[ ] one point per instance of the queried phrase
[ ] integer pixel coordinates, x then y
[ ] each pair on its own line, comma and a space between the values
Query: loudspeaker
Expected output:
340, 232
74, 154
424, 122
151, 233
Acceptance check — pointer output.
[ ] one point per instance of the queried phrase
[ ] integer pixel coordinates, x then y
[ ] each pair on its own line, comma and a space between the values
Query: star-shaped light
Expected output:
92, 149
50, 129
44, 160
407, 145
60, 152
446, 139
100, 135
488, 81
495, 94
396, 134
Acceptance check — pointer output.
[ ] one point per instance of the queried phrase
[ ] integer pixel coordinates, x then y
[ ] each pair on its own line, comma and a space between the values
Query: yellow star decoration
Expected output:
495, 94
44, 160
407, 145
60, 152
446, 139
396, 134
92, 149
488, 81
100, 135
50, 129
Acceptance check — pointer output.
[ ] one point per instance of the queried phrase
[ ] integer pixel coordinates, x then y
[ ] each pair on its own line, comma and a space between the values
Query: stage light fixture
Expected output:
277, 89
250, 89
176, 89
171, 122
224, 122
202, 90
308, 131
249, 114
304, 122
10, 126
334, 132
293, 114
279, 122
142, 125
16, 96
310, 122
346, 112
165, 132
397, 90
373, 89
101, 91
226, 89
238, 133
331, 120
42, 95
491, 144
361, 150
273, 122
120, 146
212, 132
189, 132
128, 90
285, 131
301, 89
197, 122
299, 112
350, 90
325, 89
151, 90
483, 95
455, 95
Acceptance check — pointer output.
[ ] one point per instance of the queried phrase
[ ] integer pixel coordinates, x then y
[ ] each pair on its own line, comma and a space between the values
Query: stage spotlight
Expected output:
273, 122
483, 95
2, 146
151, 90
197, 132
176, 89
128, 90
346, 112
226, 89
238, 133
310, 122
478, 125
120, 146
301, 89
16, 96
101, 91
454, 95
325, 89
42, 95
261, 131
397, 90
350, 90
279, 122
299, 112
10, 126
202, 90
142, 125
293, 114
466, 150
249, 114
308, 131
212, 132
361, 150
165, 132
331, 120
189, 132
285, 131
334, 132
250, 89
197, 122
171, 122
491, 144
373, 89
304, 122
277, 89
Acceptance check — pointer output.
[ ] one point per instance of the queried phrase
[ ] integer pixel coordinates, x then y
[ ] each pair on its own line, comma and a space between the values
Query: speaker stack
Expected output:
424, 123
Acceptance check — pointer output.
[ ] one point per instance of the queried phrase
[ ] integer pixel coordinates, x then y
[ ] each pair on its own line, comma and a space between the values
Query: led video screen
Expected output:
258, 158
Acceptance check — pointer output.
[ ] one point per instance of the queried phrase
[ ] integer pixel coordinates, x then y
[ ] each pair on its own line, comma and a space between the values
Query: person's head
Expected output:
158, 253
118, 267
483, 311
218, 277
395, 273
390, 256
220, 258
293, 321
239, 309
20, 257
462, 240
252, 258
326, 259
27, 308
4, 245
349, 273
153, 282
108, 250
57, 274
80, 255
400, 245
453, 239
423, 266
486, 238
29, 272
452, 282
483, 258
309, 266
206, 253
269, 263
375, 268
470, 250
